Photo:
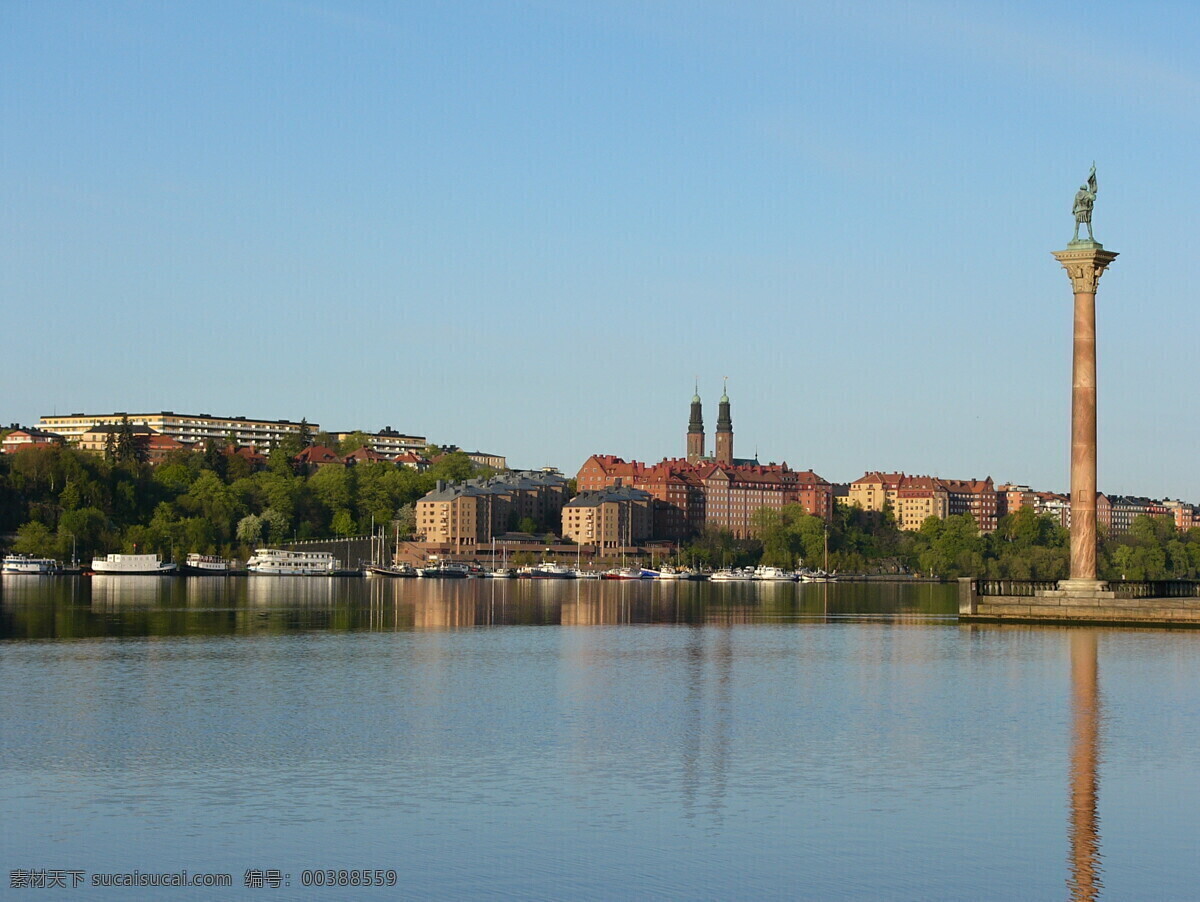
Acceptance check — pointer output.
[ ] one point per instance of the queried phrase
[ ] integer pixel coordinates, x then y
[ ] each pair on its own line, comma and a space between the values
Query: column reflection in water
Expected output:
1084, 827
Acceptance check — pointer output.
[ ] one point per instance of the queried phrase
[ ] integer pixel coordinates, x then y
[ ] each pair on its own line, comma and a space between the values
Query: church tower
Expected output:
695, 433
724, 437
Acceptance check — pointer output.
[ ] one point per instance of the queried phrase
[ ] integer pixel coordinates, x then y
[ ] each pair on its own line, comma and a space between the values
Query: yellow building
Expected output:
609, 518
460, 516
874, 490
914, 499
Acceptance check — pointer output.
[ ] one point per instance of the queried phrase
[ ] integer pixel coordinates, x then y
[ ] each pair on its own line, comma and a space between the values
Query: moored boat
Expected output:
399, 570
774, 574
444, 570
549, 570
622, 573
284, 562
730, 575
206, 565
31, 566
132, 565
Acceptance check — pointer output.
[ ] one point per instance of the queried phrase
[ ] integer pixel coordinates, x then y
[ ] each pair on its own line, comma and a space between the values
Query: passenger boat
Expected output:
206, 565
132, 565
283, 562
31, 566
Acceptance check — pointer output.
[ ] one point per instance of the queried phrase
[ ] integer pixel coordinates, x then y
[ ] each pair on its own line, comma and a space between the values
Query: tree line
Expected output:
59, 500
1025, 545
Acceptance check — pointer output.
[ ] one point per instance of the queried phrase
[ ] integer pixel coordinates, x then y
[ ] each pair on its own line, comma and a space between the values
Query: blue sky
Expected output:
528, 226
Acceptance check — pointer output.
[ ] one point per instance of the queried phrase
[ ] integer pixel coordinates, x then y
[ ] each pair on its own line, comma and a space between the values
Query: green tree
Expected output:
333, 487
128, 449
250, 530
453, 467
343, 523
36, 539
353, 442
406, 520
277, 524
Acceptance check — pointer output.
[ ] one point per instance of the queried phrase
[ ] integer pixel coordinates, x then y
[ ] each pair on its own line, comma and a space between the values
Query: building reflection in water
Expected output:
446, 604
1084, 829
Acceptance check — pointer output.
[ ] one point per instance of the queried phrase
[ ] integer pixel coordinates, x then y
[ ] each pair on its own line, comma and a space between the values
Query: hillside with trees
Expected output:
209, 501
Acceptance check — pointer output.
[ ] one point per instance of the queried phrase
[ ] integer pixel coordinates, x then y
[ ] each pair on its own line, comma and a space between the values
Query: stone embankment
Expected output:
1154, 603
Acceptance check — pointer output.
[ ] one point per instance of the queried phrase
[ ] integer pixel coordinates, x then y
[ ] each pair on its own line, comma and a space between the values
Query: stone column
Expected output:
1084, 262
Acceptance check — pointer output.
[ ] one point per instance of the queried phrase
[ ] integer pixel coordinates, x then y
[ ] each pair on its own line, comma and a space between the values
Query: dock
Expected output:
1154, 603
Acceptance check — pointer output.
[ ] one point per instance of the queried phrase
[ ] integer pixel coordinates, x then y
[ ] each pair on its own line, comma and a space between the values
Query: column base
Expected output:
1080, 588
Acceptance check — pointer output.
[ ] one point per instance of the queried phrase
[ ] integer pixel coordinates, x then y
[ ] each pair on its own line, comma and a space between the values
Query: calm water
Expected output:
589, 741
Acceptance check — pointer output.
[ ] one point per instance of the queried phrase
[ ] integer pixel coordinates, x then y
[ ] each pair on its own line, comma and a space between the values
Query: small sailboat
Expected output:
503, 571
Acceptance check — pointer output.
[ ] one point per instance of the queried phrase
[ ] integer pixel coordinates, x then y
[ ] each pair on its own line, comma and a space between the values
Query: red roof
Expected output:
363, 454
317, 454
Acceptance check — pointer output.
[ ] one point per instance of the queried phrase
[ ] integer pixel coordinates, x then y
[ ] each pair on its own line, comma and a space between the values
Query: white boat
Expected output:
500, 573
622, 573
818, 576
669, 572
131, 565
282, 562
33, 566
207, 565
586, 574
397, 570
730, 575
774, 574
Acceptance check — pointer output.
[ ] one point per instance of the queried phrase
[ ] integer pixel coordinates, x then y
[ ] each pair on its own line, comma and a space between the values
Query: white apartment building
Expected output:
184, 427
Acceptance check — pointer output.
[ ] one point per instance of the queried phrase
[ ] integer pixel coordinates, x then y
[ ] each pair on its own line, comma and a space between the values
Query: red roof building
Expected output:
691, 496
30, 437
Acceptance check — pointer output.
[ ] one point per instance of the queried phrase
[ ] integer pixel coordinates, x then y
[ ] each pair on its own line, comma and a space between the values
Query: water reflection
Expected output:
75, 607
1084, 829
114, 591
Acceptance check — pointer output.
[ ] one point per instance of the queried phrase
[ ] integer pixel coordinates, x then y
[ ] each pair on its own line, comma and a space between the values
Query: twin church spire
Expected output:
724, 434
